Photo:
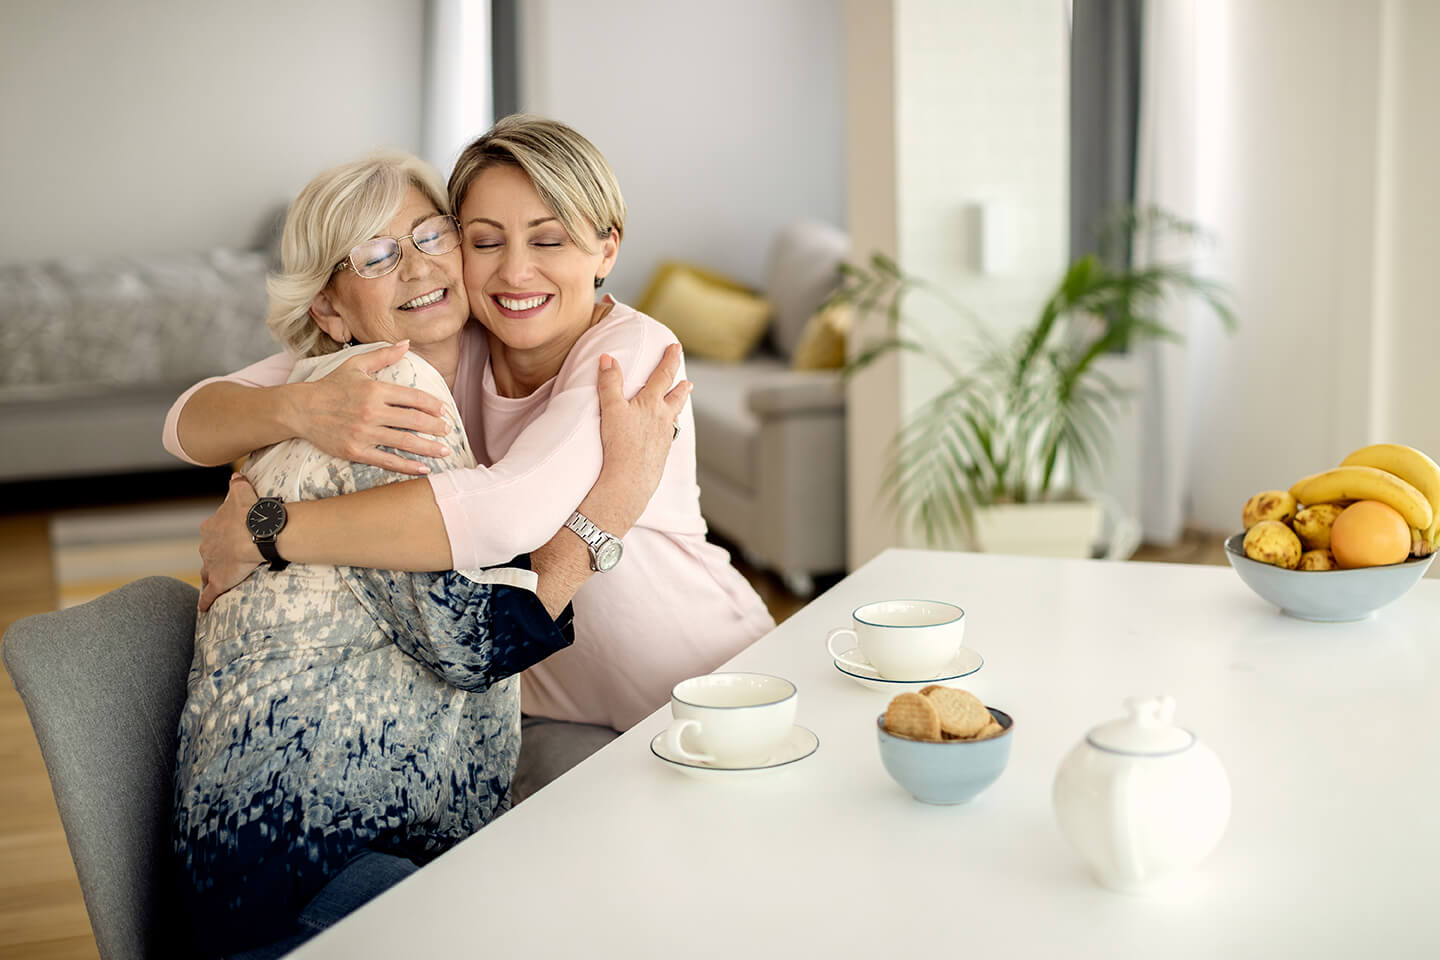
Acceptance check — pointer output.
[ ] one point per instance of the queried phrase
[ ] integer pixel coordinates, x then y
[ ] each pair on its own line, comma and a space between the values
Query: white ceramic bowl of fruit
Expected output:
1343, 543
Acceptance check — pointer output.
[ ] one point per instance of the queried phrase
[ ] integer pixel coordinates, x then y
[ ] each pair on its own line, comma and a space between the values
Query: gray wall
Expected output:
173, 125
723, 123
179, 125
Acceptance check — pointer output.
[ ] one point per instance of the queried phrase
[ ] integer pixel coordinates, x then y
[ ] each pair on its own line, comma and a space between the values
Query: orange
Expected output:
1369, 533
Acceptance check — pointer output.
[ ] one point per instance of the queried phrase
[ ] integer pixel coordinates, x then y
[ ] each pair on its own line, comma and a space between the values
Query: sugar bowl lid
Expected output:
1147, 730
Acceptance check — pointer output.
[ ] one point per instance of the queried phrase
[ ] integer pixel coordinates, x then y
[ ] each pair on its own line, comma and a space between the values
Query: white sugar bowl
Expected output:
1141, 799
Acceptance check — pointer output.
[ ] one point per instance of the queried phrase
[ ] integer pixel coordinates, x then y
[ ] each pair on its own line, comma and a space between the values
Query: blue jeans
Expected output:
363, 879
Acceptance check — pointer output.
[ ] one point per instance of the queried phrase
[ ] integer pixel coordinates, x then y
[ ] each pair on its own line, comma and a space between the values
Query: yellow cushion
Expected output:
662, 274
710, 321
822, 344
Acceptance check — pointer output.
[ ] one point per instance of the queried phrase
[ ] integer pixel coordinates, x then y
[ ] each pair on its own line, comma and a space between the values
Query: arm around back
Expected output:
495, 513
348, 413
200, 412
398, 526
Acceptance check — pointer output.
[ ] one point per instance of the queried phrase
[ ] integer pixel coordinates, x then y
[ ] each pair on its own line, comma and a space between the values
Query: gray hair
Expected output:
339, 208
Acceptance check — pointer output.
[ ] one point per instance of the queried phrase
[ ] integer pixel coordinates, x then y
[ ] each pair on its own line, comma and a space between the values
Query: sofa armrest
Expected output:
799, 391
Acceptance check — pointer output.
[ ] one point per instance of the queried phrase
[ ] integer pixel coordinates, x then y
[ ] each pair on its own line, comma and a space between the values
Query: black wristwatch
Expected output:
265, 521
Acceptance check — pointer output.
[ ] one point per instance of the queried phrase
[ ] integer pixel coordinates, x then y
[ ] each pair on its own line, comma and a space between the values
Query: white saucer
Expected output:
966, 662
798, 744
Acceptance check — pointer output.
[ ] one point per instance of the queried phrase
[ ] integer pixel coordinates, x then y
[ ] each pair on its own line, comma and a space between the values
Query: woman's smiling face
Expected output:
422, 300
529, 283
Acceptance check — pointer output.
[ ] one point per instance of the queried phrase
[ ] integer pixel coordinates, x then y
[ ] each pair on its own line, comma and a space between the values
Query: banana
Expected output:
1412, 466
1366, 483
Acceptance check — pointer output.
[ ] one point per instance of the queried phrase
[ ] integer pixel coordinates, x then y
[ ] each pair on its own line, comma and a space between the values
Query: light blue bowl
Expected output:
1328, 595
948, 771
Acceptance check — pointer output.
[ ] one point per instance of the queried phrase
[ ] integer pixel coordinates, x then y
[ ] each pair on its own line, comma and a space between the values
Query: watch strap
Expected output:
266, 544
271, 553
594, 537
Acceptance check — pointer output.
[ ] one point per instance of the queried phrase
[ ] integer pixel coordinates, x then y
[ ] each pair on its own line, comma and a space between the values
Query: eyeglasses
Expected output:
374, 258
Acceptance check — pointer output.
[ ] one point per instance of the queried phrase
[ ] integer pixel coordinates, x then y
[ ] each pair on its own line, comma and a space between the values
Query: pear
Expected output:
1269, 505
1312, 525
1318, 560
1272, 542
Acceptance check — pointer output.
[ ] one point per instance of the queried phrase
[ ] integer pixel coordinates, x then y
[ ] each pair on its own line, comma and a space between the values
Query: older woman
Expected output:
542, 218
344, 724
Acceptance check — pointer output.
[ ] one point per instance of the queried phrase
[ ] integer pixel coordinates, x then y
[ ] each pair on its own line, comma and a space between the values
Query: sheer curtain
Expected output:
1105, 60
1104, 90
1166, 169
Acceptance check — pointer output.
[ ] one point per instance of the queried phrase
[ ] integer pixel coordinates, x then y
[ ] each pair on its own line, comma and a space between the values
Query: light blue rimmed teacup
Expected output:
731, 719
901, 639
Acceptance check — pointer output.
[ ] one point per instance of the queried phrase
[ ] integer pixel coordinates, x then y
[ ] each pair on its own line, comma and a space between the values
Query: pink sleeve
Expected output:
270, 372
496, 513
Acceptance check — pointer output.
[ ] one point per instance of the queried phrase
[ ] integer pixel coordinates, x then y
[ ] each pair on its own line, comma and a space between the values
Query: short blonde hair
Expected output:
569, 173
339, 208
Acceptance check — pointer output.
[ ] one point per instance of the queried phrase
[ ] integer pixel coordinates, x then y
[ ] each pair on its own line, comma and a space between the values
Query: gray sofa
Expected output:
770, 440
94, 351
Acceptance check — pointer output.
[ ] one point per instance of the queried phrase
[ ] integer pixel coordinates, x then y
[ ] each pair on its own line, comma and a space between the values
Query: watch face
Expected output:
266, 518
608, 555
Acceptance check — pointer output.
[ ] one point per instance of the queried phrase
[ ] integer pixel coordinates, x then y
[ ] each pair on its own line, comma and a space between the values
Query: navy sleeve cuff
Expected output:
522, 633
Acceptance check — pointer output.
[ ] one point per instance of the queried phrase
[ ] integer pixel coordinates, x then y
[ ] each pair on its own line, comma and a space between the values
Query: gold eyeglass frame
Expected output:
399, 246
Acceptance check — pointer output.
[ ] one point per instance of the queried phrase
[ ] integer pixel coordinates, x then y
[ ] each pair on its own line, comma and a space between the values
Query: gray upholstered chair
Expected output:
104, 683
770, 440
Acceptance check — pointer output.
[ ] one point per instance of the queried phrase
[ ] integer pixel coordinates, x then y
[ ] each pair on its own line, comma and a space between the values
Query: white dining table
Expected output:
1329, 732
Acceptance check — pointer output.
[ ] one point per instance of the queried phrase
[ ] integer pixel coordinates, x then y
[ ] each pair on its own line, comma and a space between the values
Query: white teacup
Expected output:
902, 639
730, 719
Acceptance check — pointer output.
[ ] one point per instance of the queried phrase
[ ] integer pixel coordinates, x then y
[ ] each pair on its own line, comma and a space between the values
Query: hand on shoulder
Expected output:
351, 412
636, 434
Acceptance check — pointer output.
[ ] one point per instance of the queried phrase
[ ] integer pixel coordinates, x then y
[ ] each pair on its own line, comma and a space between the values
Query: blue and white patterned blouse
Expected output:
336, 709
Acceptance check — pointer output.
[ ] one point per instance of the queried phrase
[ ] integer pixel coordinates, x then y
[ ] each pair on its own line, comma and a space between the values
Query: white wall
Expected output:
1408, 340
1316, 171
874, 397
982, 100
173, 125
723, 123
978, 115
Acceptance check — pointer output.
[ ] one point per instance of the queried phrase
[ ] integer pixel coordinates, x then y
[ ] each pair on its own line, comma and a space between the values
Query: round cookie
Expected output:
914, 716
962, 715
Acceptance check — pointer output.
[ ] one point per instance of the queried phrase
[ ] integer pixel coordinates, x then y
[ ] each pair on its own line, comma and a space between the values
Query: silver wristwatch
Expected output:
605, 550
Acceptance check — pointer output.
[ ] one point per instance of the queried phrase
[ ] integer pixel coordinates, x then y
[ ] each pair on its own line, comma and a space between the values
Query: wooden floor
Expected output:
42, 915
41, 912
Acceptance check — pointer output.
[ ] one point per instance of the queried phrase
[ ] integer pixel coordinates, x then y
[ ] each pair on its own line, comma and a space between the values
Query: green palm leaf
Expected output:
1027, 418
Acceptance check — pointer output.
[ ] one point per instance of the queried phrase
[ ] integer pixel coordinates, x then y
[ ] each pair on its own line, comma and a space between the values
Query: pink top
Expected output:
673, 608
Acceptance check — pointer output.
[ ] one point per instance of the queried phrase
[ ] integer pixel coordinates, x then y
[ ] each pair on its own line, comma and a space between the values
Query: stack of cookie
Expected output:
939, 713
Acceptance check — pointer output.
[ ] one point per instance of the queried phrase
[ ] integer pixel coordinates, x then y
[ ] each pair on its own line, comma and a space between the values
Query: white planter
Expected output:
1066, 529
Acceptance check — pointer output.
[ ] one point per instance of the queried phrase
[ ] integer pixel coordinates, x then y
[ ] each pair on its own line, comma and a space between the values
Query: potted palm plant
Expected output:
1027, 422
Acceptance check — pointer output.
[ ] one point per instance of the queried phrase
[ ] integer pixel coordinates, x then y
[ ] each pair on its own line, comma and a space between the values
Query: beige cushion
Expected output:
709, 320
804, 270
822, 344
